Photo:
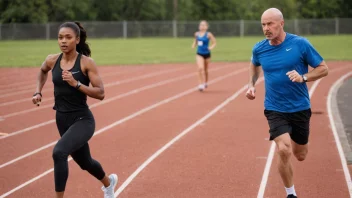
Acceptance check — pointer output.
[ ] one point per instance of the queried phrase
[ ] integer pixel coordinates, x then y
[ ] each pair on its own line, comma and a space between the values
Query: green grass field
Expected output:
159, 50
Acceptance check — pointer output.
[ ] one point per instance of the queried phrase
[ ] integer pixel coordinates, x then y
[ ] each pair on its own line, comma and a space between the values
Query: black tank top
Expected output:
68, 98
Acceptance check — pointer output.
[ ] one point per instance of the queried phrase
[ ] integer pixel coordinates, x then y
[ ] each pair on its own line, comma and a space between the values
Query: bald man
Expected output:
284, 59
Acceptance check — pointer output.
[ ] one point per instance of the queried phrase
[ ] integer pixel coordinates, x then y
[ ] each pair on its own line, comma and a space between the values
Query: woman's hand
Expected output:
67, 76
37, 99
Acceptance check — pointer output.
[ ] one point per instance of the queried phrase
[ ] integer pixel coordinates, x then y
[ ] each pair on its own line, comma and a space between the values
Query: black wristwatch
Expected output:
78, 84
304, 78
36, 93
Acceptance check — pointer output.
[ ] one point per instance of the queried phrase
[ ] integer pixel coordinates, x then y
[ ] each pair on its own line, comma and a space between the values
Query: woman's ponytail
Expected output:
82, 46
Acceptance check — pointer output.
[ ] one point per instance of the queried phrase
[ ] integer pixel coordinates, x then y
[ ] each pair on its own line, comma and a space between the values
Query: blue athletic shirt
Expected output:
294, 53
203, 43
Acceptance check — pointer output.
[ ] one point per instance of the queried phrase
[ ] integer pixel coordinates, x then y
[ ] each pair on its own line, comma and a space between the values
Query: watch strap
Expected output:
37, 93
78, 85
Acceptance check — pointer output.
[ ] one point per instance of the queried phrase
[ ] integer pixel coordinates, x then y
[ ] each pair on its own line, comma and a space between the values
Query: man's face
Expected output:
272, 25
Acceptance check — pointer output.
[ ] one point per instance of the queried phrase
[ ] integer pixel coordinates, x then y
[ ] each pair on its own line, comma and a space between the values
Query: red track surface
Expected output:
224, 156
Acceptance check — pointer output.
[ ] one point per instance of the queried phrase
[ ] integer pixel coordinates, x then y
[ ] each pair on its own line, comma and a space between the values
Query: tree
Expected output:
23, 11
42, 11
64, 10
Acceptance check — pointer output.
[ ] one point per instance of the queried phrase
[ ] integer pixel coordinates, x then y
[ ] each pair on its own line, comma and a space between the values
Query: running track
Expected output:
165, 139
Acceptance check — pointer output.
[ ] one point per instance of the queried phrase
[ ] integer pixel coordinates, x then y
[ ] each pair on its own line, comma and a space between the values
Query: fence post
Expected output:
174, 28
47, 31
14, 31
337, 26
241, 28
124, 29
295, 26
0, 31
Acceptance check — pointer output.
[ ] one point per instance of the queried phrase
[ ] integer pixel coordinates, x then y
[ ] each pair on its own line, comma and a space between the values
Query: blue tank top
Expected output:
203, 43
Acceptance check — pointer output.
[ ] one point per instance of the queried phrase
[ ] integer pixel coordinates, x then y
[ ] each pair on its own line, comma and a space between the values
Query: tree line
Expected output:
43, 11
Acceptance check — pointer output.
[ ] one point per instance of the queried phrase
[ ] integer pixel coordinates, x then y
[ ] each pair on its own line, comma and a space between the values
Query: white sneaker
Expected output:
201, 87
205, 85
109, 191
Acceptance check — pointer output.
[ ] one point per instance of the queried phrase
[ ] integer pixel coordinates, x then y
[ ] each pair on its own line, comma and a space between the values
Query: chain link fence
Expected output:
135, 29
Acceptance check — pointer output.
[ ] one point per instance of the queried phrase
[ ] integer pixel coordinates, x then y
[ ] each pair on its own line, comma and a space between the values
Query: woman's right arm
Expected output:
42, 77
194, 40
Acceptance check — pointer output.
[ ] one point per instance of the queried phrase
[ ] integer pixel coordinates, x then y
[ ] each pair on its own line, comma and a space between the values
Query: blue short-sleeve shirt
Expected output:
294, 53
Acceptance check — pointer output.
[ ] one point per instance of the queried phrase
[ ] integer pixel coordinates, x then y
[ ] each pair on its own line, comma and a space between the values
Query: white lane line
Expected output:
129, 71
27, 154
165, 101
179, 136
334, 131
32, 82
94, 105
105, 85
27, 110
30, 181
17, 84
26, 183
266, 172
21, 88
22, 100
143, 77
135, 91
28, 129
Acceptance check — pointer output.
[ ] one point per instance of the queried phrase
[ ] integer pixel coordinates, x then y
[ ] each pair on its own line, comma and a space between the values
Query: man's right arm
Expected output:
254, 72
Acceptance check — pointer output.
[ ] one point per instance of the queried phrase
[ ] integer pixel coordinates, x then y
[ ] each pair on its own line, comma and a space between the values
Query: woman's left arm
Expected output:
213, 40
97, 89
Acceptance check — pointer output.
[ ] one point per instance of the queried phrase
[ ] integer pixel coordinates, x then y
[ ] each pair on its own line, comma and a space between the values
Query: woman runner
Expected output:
72, 71
201, 39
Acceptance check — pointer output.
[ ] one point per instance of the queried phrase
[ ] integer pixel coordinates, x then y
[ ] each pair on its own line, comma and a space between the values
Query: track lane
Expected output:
10, 145
221, 157
10, 123
47, 152
109, 81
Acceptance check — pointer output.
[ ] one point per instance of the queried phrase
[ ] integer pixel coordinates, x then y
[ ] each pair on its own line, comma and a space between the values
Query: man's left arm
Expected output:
318, 72
313, 58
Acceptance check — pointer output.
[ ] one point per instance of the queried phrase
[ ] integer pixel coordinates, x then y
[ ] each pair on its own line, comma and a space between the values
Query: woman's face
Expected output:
67, 39
203, 26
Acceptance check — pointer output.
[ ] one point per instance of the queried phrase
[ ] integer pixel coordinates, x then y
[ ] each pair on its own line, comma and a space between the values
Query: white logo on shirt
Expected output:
288, 49
200, 43
75, 72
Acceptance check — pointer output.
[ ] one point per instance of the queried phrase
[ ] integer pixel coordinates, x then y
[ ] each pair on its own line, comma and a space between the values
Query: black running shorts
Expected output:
205, 56
296, 124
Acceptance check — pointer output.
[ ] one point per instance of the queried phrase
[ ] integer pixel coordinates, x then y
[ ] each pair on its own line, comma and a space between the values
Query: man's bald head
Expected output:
273, 13
272, 23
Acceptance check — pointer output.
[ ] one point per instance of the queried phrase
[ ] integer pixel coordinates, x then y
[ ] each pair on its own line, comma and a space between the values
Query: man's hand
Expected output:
295, 76
251, 93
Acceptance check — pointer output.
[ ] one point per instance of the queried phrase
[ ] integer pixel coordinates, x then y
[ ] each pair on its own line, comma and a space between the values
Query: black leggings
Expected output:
75, 130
